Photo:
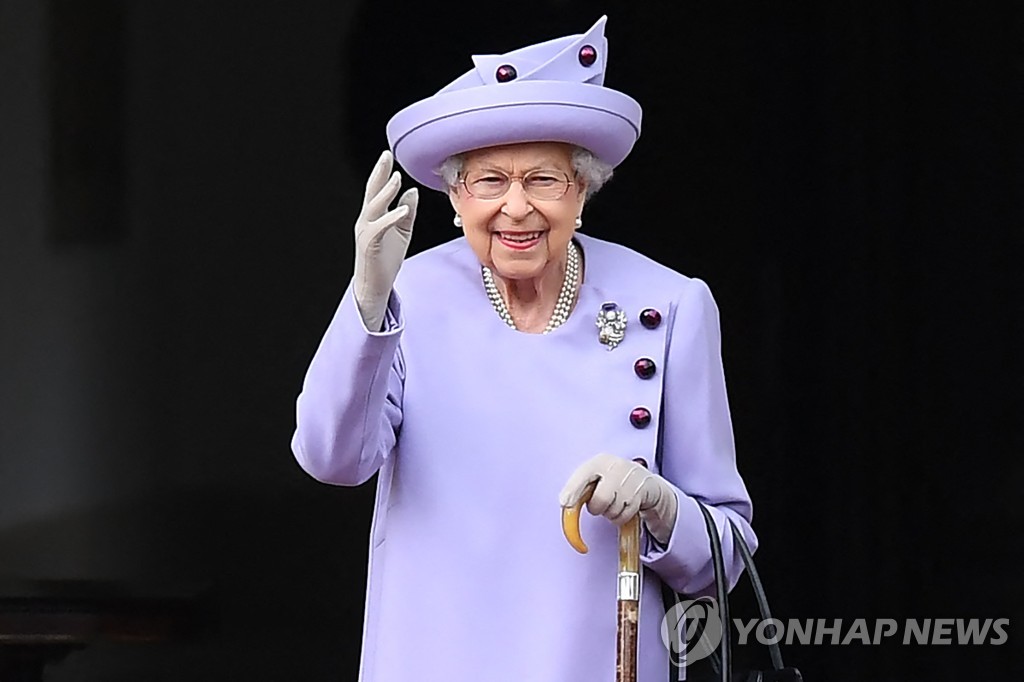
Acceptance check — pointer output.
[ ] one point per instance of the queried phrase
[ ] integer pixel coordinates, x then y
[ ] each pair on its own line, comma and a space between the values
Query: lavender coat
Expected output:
474, 428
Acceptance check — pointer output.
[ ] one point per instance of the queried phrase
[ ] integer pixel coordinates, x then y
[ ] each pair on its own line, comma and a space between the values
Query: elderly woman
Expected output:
487, 381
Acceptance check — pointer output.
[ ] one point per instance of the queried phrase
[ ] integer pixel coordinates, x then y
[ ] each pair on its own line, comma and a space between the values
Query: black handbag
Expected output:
720, 661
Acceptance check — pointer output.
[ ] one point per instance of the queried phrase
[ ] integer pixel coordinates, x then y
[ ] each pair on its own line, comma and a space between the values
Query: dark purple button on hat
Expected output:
644, 368
640, 417
505, 73
650, 318
588, 55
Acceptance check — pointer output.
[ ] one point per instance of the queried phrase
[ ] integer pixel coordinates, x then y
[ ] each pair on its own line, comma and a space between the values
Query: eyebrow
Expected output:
494, 167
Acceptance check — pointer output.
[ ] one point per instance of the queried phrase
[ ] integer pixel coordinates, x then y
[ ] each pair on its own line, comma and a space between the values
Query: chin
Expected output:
518, 269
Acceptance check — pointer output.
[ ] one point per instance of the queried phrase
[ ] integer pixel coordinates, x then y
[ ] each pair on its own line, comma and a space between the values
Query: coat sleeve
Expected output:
698, 451
350, 408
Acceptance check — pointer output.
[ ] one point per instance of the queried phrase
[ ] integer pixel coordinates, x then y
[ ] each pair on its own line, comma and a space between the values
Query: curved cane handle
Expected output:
571, 519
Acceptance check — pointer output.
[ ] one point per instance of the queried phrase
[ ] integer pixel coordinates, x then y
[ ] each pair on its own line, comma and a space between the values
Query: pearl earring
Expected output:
457, 220
579, 222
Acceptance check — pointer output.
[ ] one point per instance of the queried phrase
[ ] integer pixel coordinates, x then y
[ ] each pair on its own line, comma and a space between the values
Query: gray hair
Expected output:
593, 170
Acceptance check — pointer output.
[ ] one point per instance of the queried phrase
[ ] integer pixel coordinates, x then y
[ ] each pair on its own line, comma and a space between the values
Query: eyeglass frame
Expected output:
569, 182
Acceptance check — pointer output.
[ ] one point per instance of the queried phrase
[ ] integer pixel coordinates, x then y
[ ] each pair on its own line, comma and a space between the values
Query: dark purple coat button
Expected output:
644, 368
640, 417
650, 318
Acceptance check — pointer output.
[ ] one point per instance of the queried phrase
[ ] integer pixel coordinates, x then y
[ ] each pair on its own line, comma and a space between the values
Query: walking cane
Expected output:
628, 592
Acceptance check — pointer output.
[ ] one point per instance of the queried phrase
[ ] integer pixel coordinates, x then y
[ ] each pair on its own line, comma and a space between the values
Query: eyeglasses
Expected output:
543, 185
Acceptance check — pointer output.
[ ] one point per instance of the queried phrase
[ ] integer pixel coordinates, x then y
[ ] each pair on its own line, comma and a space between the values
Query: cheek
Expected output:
563, 221
479, 237
476, 216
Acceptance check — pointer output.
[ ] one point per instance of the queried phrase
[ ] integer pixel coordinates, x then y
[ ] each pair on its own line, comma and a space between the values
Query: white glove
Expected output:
623, 489
382, 239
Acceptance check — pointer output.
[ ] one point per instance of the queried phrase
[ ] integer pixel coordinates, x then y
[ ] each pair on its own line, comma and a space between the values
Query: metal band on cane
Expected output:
629, 586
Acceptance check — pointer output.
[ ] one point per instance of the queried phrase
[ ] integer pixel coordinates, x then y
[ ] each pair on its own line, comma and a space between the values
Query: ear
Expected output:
581, 196
455, 198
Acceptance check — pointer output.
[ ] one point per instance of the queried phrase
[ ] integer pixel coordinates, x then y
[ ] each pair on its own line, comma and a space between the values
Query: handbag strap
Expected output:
721, 593
759, 593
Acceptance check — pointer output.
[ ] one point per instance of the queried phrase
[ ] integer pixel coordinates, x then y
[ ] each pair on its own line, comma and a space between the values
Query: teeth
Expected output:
520, 237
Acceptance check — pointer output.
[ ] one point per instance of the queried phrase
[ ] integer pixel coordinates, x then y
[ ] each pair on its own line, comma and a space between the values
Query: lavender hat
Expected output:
551, 92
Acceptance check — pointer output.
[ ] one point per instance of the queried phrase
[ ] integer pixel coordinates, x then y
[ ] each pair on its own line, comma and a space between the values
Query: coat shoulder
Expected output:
436, 270
455, 252
620, 267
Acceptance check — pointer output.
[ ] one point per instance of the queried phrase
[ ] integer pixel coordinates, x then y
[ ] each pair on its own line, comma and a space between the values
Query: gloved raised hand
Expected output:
382, 239
623, 489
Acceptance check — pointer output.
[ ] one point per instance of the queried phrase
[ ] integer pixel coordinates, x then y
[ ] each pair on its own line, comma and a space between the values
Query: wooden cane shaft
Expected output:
628, 601
629, 545
626, 648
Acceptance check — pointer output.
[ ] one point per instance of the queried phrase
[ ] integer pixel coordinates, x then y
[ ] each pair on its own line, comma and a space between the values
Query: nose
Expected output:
517, 204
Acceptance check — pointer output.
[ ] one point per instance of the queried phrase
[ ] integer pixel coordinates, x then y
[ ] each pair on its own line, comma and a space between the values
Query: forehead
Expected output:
521, 156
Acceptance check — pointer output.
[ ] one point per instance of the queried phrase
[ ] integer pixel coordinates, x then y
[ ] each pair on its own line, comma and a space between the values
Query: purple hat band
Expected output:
559, 98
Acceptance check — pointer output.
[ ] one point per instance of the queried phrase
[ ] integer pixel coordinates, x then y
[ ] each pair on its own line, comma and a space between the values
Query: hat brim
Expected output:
424, 134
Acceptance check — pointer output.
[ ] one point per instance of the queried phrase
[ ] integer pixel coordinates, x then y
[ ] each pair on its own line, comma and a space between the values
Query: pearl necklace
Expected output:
563, 306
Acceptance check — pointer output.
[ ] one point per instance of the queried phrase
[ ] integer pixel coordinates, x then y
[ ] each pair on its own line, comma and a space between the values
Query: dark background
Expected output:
178, 183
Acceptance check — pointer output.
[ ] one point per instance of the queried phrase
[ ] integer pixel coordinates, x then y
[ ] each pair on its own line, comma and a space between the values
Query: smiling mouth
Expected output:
519, 241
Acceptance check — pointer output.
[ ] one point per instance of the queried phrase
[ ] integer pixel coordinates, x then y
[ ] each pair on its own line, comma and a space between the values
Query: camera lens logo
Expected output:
691, 630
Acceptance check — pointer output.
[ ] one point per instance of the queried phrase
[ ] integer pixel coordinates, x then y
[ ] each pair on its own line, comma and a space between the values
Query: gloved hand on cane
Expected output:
623, 489
382, 240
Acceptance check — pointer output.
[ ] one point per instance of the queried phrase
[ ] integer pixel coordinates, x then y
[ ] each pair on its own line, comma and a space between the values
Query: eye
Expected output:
543, 179
487, 179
